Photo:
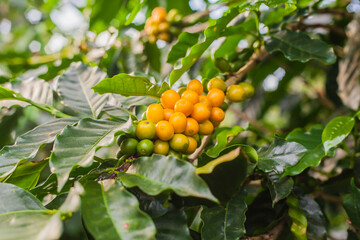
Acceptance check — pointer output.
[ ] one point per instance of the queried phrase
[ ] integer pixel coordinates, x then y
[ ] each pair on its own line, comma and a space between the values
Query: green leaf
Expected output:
280, 155
128, 85
128, 102
316, 228
76, 145
138, 4
299, 221
7, 94
172, 225
28, 144
27, 174
153, 55
298, 46
179, 49
279, 188
75, 89
336, 131
225, 222
17, 199
211, 34
111, 212
158, 173
222, 139
352, 205
311, 140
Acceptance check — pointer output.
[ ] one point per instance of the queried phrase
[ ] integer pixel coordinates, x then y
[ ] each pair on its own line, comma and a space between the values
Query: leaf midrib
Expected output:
86, 96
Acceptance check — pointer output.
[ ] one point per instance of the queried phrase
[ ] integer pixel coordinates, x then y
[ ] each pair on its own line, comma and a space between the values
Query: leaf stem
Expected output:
46, 108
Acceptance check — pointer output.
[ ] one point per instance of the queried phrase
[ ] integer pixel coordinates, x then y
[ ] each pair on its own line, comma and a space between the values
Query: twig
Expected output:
196, 28
254, 60
340, 12
189, 19
301, 26
272, 234
327, 197
206, 139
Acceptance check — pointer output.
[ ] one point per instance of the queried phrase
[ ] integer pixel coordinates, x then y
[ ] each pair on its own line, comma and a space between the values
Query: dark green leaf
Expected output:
352, 205
76, 93
28, 144
299, 46
111, 212
17, 199
76, 145
336, 131
179, 49
299, 221
279, 188
153, 54
27, 174
128, 85
158, 173
172, 225
225, 222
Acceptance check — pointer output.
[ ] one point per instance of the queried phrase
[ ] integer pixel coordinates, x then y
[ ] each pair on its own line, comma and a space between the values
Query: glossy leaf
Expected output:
128, 85
352, 205
127, 102
222, 139
336, 131
179, 49
298, 46
317, 225
28, 144
17, 199
279, 188
75, 89
116, 215
280, 155
227, 222
76, 145
27, 174
158, 173
173, 226
299, 221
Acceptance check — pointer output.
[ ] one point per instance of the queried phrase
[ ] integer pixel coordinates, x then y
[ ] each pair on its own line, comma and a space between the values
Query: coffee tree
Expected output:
180, 119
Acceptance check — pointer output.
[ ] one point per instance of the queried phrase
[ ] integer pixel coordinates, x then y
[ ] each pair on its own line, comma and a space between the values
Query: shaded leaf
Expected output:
172, 225
299, 221
336, 131
300, 47
27, 174
179, 49
76, 145
28, 144
75, 89
158, 173
127, 102
352, 205
17, 199
225, 222
117, 215
279, 188
128, 85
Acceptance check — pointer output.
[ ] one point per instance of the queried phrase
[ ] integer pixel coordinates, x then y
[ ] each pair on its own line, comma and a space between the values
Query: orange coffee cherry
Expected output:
178, 121
190, 95
215, 124
169, 98
216, 97
159, 14
184, 106
205, 99
196, 86
155, 113
164, 36
164, 130
206, 128
192, 146
164, 27
217, 114
201, 112
192, 127
167, 113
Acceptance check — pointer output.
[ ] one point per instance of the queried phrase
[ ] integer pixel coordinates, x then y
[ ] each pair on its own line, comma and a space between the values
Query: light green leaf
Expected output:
226, 223
75, 89
159, 173
298, 46
138, 4
299, 221
179, 49
336, 131
279, 188
17, 199
76, 145
117, 214
352, 205
128, 85
28, 144
27, 174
